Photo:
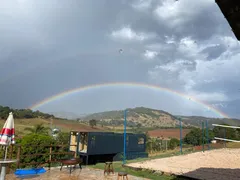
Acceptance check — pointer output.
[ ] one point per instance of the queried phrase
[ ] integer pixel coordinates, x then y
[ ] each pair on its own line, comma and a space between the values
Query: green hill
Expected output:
196, 120
148, 117
140, 115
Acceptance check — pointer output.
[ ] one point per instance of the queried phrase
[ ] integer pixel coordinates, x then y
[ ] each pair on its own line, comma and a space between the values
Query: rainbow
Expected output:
121, 84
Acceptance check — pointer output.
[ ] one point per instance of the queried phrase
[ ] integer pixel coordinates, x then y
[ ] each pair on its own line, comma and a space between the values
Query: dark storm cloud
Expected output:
50, 46
71, 73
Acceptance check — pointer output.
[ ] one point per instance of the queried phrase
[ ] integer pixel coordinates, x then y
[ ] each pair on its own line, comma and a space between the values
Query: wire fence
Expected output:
203, 137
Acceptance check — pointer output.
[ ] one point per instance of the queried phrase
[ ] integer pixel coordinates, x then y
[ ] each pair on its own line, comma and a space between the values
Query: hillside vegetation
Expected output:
196, 121
155, 118
23, 113
140, 115
136, 118
26, 118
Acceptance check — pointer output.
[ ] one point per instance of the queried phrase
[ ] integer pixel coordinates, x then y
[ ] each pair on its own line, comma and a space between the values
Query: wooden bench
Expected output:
70, 162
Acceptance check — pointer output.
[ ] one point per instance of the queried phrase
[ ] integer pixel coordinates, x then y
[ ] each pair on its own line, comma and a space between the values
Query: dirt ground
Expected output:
218, 164
167, 133
77, 174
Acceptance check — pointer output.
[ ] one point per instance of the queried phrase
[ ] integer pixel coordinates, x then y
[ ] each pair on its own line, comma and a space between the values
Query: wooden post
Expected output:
151, 147
50, 157
11, 151
166, 145
18, 156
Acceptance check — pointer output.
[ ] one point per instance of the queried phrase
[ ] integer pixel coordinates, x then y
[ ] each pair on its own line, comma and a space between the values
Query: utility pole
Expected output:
124, 137
203, 136
207, 135
180, 121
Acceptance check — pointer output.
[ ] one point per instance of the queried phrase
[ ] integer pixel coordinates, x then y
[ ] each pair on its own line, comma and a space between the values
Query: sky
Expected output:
50, 46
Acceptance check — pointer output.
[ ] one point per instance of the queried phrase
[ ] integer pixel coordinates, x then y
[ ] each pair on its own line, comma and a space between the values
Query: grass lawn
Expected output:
146, 174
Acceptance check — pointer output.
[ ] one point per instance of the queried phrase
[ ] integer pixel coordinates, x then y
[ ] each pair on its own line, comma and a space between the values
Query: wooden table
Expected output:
70, 162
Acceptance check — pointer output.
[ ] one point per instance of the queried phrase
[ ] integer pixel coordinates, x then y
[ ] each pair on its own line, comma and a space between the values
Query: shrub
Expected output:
174, 143
35, 144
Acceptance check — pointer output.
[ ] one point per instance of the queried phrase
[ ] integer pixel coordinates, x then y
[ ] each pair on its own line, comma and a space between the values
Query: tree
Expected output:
174, 143
139, 125
227, 133
93, 122
22, 113
62, 138
194, 137
38, 129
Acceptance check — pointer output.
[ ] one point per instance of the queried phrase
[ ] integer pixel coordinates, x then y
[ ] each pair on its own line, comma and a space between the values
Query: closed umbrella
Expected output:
7, 138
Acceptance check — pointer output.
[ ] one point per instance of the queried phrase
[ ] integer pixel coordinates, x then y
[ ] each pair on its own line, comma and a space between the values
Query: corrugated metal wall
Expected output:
112, 143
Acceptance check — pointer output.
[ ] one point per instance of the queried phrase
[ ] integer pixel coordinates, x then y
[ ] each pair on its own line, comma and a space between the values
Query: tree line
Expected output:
22, 113
196, 136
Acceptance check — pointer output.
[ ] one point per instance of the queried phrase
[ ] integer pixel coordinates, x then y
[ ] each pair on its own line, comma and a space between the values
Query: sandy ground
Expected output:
77, 174
218, 164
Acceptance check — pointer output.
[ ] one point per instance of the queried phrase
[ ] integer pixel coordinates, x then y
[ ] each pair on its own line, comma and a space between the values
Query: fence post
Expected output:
207, 135
50, 157
11, 151
166, 145
18, 156
203, 136
224, 137
180, 120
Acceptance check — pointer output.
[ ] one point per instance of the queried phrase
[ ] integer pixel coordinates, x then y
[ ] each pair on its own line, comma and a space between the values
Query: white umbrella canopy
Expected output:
7, 134
7, 137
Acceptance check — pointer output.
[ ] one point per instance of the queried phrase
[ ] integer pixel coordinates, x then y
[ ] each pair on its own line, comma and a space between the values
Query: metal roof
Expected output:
231, 11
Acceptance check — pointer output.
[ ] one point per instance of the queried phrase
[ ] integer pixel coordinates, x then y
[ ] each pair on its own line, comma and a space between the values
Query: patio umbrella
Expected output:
7, 138
7, 133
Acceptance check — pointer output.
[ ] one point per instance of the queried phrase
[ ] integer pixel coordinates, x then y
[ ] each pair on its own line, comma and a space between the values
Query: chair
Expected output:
122, 175
108, 168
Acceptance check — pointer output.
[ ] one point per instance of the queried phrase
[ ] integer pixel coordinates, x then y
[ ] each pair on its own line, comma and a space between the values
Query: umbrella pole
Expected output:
5, 156
3, 172
3, 169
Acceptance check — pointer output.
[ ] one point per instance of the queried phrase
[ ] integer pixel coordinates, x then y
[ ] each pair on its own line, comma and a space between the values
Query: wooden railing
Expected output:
15, 152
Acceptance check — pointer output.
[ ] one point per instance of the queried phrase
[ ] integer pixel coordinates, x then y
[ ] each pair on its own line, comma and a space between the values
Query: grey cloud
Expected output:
214, 51
50, 46
70, 73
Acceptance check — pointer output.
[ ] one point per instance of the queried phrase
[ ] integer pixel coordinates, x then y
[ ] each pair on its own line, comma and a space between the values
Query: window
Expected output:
140, 140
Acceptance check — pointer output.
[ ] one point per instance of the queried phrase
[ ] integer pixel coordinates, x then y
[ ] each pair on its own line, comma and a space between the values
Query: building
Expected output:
96, 147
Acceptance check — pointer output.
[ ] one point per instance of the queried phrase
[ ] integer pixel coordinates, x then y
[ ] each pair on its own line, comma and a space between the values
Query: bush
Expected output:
62, 138
34, 144
174, 143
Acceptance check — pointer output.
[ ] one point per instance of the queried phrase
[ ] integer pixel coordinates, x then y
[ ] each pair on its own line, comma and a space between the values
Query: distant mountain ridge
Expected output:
67, 115
196, 120
158, 118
